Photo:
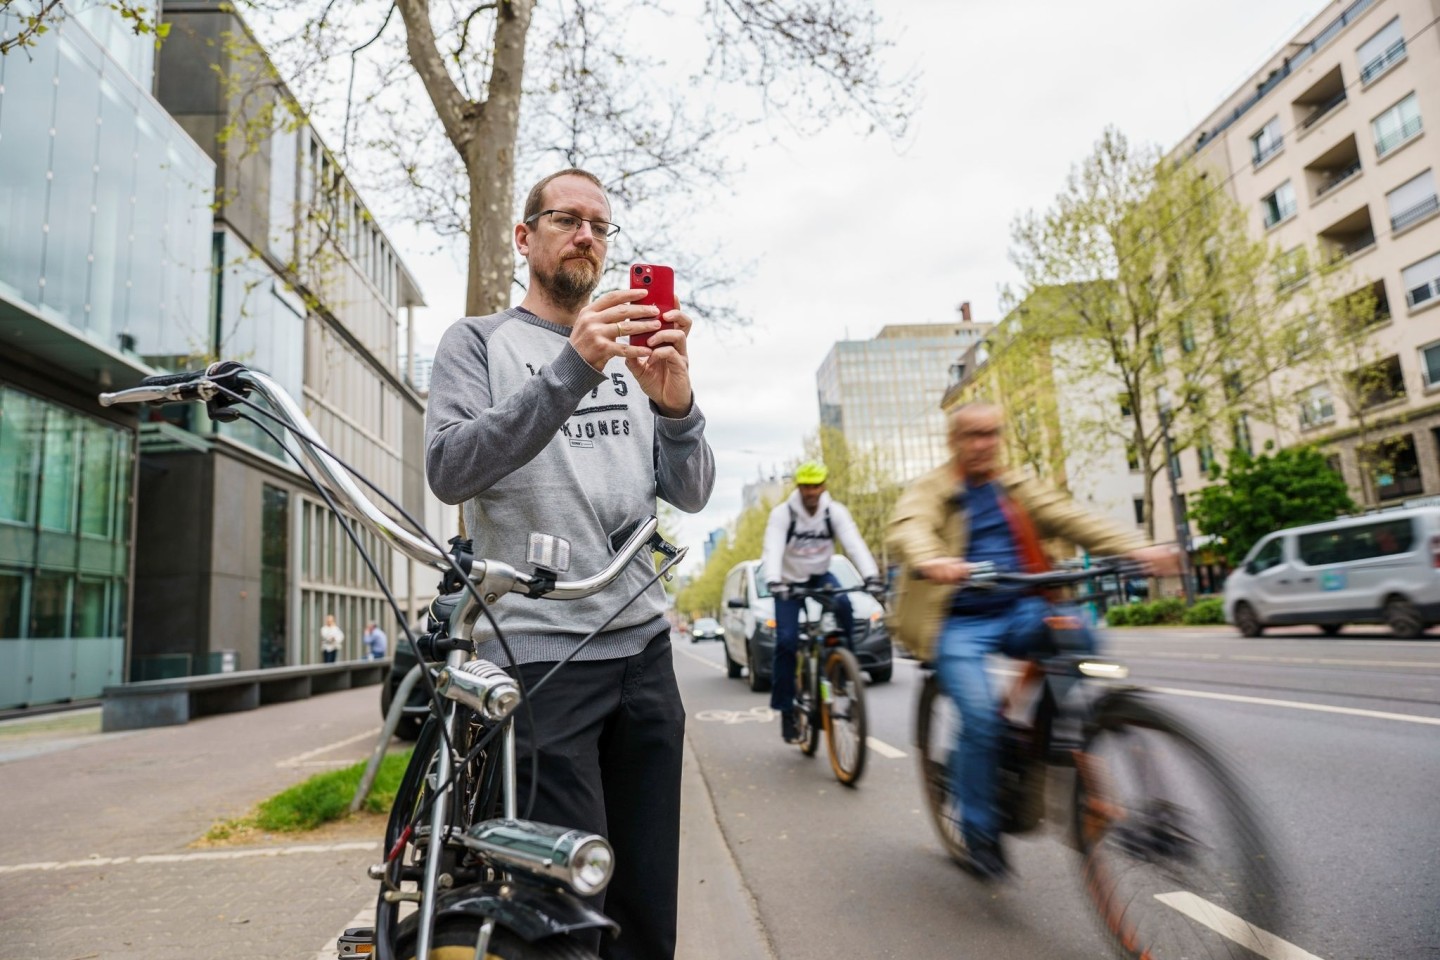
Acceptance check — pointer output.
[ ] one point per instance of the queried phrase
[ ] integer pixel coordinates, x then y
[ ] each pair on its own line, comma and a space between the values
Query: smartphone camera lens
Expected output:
646, 280
639, 270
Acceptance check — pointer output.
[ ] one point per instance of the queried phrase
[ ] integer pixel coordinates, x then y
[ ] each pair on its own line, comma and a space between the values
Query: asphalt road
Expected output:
1337, 739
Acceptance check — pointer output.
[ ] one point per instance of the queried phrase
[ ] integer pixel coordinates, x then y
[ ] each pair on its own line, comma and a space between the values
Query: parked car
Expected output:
706, 628
416, 706
1378, 568
748, 619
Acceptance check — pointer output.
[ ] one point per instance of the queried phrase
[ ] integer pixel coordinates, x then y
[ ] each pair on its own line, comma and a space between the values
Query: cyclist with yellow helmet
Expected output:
799, 542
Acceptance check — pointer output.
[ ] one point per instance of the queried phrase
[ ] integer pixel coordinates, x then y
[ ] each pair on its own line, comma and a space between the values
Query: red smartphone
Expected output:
659, 285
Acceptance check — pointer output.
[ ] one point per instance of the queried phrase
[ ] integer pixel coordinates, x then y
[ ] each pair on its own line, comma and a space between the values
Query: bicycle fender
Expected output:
530, 911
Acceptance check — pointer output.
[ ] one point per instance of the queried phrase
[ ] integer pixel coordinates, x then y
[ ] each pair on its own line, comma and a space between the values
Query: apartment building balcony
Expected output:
1381, 65
1404, 133
1349, 236
1333, 168
1415, 213
1323, 98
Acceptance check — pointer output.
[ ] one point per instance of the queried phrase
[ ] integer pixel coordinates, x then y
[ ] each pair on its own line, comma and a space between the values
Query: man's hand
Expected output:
1159, 561
780, 591
663, 371
950, 570
607, 318
875, 586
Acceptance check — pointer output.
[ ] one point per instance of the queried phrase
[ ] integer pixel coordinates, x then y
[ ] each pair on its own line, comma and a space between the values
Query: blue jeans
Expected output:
964, 644
787, 636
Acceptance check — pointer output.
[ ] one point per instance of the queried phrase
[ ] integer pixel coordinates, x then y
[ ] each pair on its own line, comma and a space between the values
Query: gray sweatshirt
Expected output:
532, 439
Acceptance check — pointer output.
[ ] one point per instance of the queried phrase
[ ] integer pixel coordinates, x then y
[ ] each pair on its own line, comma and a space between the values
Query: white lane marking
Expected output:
1225, 923
365, 918
884, 749
1255, 658
198, 855
698, 659
300, 758
1299, 705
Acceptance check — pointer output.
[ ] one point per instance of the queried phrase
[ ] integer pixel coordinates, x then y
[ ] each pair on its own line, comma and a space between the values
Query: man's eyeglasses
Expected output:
569, 223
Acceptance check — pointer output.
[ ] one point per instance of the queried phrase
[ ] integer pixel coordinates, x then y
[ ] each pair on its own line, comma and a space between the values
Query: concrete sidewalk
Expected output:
96, 858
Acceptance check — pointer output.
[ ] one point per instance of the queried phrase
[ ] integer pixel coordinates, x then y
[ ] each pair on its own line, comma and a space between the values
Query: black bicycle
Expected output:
1175, 863
487, 883
829, 686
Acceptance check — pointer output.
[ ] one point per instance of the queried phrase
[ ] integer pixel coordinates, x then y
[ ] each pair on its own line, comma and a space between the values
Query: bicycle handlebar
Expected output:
205, 385
985, 575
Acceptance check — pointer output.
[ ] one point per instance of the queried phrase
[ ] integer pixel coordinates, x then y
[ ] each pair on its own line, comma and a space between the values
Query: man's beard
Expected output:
572, 282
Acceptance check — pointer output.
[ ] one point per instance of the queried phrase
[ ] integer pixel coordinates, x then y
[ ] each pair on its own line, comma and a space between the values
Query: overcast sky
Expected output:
848, 233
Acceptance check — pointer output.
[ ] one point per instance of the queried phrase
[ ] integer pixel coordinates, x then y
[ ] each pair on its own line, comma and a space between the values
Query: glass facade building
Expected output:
884, 394
104, 268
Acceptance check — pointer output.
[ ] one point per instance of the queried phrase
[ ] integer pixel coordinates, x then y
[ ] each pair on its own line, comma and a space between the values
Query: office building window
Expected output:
1396, 126
1381, 52
1139, 511
1412, 201
1279, 205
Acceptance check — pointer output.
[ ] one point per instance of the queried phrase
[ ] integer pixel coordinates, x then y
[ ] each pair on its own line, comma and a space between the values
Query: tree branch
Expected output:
450, 104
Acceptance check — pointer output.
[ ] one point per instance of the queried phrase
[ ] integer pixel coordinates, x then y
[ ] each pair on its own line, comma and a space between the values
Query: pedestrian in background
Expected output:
331, 639
376, 643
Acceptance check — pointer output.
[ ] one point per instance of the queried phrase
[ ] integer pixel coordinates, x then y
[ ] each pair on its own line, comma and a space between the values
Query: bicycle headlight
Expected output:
580, 860
1103, 670
481, 686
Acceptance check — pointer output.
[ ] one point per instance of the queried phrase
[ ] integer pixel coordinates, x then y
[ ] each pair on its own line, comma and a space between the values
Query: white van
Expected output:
1378, 568
748, 619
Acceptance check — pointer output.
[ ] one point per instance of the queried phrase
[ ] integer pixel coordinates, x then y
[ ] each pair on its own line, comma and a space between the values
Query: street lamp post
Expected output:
1177, 506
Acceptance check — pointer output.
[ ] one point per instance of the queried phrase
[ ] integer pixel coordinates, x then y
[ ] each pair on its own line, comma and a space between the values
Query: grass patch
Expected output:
326, 796
312, 803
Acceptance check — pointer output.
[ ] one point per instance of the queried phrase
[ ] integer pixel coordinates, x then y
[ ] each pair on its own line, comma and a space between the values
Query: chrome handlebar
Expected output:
494, 576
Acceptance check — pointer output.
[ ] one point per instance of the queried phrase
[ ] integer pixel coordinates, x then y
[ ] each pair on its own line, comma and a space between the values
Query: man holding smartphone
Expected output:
543, 418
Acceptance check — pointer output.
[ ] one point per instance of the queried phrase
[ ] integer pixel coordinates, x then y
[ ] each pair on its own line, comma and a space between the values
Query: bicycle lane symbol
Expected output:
753, 715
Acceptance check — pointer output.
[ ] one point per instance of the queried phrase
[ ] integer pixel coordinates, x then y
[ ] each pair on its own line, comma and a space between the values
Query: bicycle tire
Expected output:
843, 714
455, 939
937, 726
807, 707
1175, 861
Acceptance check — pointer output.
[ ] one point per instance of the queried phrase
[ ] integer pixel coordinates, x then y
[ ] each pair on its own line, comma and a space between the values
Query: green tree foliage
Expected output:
1144, 275
701, 596
1267, 493
861, 481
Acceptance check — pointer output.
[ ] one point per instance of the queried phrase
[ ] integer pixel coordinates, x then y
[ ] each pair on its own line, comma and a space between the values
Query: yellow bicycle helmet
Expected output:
811, 473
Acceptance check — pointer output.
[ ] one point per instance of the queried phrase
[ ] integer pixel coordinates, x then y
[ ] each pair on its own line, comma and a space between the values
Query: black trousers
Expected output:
610, 737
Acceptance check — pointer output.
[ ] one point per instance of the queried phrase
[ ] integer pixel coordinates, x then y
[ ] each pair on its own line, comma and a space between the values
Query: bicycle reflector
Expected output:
549, 552
582, 861
481, 686
1103, 670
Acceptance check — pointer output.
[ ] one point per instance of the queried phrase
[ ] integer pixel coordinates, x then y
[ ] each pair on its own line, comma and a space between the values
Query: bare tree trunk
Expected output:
483, 134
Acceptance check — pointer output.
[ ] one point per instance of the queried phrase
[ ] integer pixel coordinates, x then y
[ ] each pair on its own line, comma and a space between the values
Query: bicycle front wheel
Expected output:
807, 706
844, 716
937, 730
1175, 864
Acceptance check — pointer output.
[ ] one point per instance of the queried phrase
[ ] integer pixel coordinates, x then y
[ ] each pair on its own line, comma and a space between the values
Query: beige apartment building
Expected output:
1333, 148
